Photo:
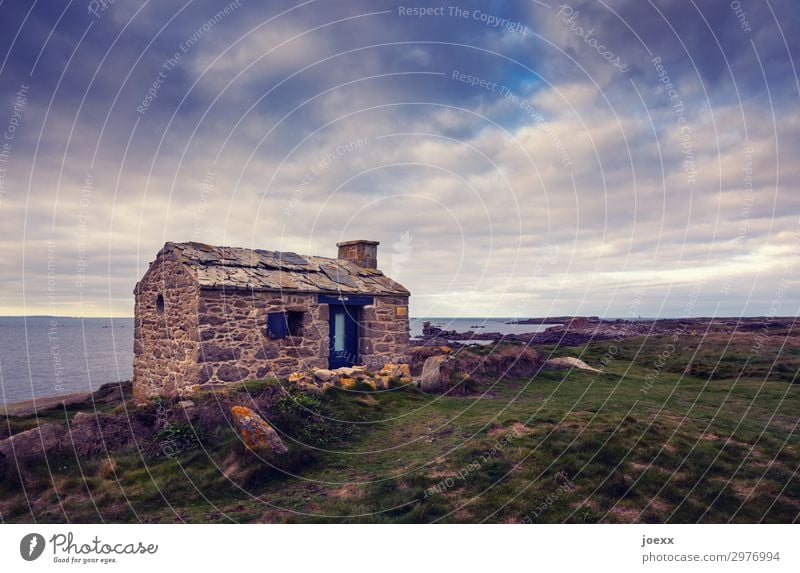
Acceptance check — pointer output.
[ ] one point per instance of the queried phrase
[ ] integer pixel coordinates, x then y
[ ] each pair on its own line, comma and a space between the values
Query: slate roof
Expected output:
257, 269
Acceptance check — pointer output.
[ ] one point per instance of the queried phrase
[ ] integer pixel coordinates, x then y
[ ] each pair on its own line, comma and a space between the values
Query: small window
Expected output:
276, 325
160, 304
295, 322
283, 324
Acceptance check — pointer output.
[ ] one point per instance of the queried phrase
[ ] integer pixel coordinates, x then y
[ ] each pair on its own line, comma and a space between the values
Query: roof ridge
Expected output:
243, 267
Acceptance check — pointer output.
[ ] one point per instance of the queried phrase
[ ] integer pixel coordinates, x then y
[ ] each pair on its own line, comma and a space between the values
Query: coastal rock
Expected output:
45, 439
395, 370
310, 388
507, 361
83, 418
568, 362
94, 433
351, 371
323, 374
434, 374
300, 378
370, 383
257, 436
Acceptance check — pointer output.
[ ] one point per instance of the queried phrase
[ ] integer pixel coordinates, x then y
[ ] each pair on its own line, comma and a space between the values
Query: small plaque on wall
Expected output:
401, 311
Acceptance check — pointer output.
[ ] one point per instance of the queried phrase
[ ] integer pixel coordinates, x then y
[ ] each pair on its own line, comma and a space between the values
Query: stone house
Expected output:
208, 314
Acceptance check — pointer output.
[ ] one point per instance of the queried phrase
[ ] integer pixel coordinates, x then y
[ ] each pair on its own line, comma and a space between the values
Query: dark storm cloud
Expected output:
476, 138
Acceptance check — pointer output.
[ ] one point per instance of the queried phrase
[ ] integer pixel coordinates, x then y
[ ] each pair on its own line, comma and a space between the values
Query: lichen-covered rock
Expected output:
310, 388
395, 370
351, 371
257, 436
323, 374
346, 382
369, 382
297, 377
434, 375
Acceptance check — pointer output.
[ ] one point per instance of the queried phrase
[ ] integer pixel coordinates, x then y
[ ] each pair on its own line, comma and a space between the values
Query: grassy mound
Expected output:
648, 440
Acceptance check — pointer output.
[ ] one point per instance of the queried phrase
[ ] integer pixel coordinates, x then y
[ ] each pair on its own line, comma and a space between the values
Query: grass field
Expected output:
670, 431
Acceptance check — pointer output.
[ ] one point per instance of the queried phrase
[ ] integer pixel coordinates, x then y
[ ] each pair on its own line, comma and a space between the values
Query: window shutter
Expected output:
277, 325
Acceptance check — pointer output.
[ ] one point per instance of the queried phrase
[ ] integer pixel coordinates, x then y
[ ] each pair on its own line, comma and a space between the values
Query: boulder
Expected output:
309, 387
346, 382
395, 370
434, 374
83, 418
511, 361
351, 371
296, 376
256, 435
568, 362
93, 433
45, 439
323, 374
370, 382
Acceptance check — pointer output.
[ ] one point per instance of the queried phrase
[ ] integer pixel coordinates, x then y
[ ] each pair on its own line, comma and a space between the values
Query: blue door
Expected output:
343, 336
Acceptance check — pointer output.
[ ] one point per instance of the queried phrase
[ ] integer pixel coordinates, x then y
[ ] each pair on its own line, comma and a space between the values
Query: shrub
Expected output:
308, 418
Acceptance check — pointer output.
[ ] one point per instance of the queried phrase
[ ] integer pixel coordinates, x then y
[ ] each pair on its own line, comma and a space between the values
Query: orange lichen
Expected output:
255, 433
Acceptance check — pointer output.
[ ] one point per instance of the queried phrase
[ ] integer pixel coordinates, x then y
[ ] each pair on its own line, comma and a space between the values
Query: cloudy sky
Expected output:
615, 158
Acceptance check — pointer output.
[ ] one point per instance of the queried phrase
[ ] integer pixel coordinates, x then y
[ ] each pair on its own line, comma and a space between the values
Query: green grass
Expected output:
567, 446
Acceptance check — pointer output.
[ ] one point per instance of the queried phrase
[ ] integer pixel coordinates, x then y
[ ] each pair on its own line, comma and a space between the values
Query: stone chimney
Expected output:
362, 253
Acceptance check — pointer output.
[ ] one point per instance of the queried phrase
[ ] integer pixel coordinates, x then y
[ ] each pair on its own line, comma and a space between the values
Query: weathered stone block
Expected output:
215, 353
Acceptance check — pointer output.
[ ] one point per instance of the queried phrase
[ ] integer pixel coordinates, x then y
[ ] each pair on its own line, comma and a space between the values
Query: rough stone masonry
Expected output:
207, 315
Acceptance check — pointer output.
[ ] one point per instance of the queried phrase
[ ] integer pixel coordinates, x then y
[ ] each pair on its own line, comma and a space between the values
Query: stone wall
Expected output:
235, 339
383, 335
221, 336
165, 343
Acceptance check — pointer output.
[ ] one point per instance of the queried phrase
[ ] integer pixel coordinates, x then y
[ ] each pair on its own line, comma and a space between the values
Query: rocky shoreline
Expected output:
575, 331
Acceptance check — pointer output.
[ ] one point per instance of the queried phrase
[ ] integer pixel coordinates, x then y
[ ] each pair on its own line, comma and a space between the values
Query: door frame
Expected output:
351, 315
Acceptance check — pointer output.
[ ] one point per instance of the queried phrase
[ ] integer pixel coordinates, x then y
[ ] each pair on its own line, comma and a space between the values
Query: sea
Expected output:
48, 356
